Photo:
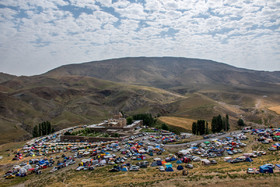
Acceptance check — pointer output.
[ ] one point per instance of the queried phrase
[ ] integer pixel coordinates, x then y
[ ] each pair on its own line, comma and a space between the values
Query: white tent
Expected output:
205, 161
22, 171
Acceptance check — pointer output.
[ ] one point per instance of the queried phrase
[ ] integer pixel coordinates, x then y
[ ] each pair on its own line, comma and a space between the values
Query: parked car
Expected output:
134, 168
161, 168
213, 161
80, 168
190, 166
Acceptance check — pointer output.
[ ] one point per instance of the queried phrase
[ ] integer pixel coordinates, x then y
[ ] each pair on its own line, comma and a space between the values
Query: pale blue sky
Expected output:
38, 35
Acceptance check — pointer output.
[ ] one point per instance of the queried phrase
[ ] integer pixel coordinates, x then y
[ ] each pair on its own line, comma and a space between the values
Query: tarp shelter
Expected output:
180, 167
266, 169
169, 169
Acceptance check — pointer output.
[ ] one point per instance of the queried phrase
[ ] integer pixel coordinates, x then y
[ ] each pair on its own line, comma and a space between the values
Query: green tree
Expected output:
241, 123
227, 123
40, 129
206, 129
148, 119
194, 128
67, 133
201, 126
214, 124
35, 131
129, 120
49, 127
164, 127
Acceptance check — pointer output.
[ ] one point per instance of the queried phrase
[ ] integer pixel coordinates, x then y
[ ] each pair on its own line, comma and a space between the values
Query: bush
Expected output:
67, 133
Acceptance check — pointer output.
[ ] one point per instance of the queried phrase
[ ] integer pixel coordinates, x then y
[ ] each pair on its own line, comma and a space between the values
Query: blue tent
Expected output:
124, 169
249, 160
169, 169
159, 163
266, 169
180, 167
179, 162
173, 159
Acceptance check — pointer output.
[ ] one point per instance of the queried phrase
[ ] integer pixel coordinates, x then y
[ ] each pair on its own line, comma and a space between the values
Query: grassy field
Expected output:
178, 121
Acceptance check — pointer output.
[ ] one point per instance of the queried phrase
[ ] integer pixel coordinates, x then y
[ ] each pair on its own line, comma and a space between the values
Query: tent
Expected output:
180, 167
168, 165
248, 159
154, 164
169, 169
159, 163
179, 162
205, 161
186, 160
266, 169
124, 169
173, 159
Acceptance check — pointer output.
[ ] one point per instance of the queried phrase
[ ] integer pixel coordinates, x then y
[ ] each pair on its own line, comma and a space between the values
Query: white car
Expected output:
80, 168
251, 171
134, 168
161, 168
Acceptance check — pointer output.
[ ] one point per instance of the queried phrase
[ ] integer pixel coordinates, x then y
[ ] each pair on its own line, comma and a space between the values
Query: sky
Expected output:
39, 35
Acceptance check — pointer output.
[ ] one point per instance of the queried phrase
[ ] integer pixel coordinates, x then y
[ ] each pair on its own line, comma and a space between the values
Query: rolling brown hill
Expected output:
182, 75
71, 100
175, 87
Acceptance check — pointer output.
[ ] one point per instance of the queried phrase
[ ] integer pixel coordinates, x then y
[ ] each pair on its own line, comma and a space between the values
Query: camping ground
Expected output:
220, 174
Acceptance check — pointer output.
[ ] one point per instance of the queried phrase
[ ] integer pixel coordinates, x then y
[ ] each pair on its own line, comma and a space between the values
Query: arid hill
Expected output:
180, 74
174, 87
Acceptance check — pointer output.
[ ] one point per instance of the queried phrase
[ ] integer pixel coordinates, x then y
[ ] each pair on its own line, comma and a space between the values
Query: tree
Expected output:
164, 127
40, 129
201, 127
227, 123
241, 123
194, 128
207, 129
214, 124
129, 120
147, 119
35, 131
67, 133
49, 127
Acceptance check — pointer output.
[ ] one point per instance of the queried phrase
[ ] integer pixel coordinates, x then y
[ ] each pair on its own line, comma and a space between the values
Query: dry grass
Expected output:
275, 109
178, 121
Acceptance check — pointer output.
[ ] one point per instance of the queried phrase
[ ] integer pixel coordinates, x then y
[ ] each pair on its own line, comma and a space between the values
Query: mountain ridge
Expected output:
169, 72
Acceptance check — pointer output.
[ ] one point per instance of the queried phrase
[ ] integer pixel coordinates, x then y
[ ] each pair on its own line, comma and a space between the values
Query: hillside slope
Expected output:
180, 74
71, 100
